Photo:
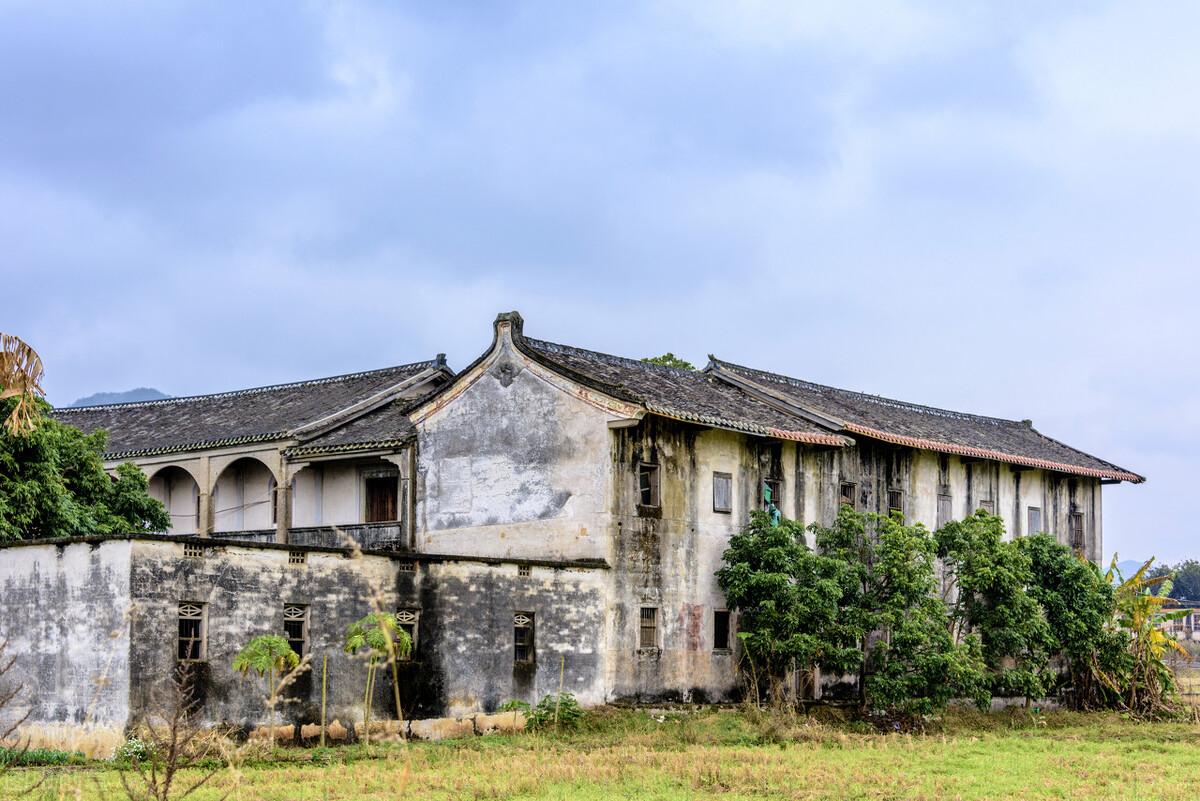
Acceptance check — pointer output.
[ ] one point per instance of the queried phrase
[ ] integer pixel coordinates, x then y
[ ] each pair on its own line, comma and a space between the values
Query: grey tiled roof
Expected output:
689, 395
383, 427
928, 427
230, 418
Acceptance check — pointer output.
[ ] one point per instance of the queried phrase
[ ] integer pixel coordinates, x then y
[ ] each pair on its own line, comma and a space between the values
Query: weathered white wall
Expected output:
178, 492
64, 611
515, 466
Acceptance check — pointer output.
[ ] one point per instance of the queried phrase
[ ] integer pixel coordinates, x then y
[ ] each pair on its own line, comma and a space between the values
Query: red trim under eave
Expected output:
810, 439
982, 453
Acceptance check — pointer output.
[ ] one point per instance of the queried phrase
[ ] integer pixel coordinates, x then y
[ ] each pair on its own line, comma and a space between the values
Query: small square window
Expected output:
193, 550
295, 627
1035, 520
848, 495
988, 506
648, 637
772, 493
408, 620
523, 650
721, 630
192, 631
722, 492
895, 501
648, 494
406, 566
524, 571
297, 557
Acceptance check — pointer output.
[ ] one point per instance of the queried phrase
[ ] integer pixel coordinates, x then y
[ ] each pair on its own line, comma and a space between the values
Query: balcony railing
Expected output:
369, 536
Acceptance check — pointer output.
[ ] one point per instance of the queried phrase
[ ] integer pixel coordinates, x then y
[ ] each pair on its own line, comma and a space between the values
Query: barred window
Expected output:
722, 492
297, 557
406, 566
408, 620
191, 647
648, 637
772, 493
848, 494
895, 501
193, 550
523, 652
524, 571
295, 627
1078, 541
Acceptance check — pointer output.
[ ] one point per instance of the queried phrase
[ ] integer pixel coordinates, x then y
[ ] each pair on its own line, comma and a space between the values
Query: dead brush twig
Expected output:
175, 744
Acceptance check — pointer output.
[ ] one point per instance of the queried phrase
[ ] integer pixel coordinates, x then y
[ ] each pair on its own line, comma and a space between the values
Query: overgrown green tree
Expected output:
54, 484
1185, 580
268, 655
911, 665
787, 599
1079, 607
985, 587
670, 360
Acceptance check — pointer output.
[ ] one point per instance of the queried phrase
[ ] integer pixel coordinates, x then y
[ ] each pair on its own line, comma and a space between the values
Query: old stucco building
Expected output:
546, 509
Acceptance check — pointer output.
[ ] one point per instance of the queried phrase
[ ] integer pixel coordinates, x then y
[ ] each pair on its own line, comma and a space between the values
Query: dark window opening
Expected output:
1077, 538
772, 493
722, 492
406, 566
721, 630
297, 557
848, 495
191, 549
1035, 520
407, 620
895, 501
523, 652
649, 628
524, 571
648, 484
295, 627
381, 498
191, 632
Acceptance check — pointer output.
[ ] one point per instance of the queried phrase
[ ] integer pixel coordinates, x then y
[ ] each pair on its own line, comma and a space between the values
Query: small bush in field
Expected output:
134, 749
12, 757
515, 705
557, 711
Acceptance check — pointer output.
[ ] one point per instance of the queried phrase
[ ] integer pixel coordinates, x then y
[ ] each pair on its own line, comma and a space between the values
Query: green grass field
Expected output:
726, 755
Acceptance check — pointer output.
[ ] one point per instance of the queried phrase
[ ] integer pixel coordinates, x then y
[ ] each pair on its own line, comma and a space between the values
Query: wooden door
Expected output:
381, 498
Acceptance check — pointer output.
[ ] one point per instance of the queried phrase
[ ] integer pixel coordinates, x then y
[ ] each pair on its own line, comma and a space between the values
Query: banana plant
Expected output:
1140, 610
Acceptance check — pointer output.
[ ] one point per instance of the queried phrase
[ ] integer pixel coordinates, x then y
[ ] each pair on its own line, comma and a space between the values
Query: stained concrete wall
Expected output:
464, 656
64, 612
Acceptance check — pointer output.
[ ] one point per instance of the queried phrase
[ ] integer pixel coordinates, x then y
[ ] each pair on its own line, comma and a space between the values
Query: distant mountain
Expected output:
128, 396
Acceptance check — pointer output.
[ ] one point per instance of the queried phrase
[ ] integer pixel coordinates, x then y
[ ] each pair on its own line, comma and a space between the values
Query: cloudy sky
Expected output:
989, 209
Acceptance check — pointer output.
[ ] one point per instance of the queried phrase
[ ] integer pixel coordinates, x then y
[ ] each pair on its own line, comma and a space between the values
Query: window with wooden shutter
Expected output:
722, 492
1078, 541
381, 497
772, 493
1035, 521
945, 510
648, 494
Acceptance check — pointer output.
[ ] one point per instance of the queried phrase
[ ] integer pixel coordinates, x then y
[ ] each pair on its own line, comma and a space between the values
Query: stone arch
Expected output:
243, 495
179, 492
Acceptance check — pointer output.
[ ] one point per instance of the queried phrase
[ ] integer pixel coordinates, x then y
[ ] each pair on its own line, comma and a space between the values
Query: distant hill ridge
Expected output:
128, 396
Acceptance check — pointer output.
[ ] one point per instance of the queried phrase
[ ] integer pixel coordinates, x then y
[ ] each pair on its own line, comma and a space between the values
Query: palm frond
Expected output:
20, 378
